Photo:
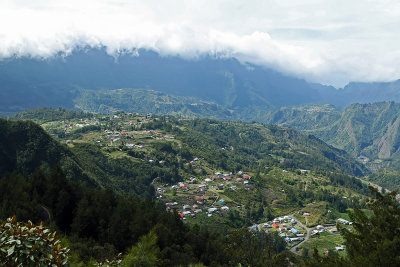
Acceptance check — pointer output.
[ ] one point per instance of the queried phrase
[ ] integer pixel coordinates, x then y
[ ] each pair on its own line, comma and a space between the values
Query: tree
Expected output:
372, 241
144, 253
375, 240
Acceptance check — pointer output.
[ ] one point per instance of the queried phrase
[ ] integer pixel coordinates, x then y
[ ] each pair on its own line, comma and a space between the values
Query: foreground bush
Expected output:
25, 244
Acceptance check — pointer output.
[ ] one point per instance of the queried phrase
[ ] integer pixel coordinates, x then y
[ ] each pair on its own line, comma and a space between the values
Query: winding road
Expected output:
293, 249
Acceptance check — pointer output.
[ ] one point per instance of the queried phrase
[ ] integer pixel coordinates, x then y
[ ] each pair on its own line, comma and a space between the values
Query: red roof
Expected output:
181, 214
200, 199
275, 225
245, 176
122, 132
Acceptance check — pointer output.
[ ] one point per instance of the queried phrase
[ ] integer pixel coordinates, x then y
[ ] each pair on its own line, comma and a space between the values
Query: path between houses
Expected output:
216, 198
293, 249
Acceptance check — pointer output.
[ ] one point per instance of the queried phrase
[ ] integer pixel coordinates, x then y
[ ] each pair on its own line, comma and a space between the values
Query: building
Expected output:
200, 200
343, 221
211, 210
295, 231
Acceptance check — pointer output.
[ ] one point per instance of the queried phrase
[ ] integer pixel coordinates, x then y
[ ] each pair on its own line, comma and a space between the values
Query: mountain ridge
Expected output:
369, 131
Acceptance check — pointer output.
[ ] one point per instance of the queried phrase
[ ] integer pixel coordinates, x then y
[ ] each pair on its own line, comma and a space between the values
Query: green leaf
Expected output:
10, 250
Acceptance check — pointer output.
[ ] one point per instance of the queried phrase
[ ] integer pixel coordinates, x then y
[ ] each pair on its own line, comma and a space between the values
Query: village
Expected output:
206, 197
203, 196
197, 198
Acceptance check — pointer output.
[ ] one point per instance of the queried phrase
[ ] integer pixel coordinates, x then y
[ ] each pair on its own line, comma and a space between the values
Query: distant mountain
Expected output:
305, 118
357, 92
360, 92
28, 83
368, 131
223, 88
148, 101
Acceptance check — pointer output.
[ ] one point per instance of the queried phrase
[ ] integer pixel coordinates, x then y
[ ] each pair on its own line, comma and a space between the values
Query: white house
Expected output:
211, 210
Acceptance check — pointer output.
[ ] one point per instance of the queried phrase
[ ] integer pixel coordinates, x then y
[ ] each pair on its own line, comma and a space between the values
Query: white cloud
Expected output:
331, 41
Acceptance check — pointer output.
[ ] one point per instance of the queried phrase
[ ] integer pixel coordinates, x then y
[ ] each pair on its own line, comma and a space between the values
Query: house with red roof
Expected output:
200, 200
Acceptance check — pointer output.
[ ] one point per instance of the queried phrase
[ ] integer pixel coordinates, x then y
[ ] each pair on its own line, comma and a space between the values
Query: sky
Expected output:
329, 41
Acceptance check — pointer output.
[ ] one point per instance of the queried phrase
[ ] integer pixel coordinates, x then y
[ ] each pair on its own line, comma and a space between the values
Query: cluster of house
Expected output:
229, 177
286, 226
114, 136
318, 229
192, 210
219, 181
223, 178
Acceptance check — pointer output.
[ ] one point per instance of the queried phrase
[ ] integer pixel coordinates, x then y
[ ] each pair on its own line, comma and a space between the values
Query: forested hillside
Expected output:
368, 131
226, 145
149, 101
25, 146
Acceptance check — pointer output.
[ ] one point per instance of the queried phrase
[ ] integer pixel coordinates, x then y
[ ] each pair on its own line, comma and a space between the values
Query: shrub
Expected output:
25, 244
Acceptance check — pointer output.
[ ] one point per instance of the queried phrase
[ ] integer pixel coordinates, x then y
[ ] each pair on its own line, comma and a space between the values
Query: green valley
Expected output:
213, 174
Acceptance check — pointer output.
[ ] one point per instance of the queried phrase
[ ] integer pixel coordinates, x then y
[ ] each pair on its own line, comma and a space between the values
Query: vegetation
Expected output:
29, 245
372, 241
367, 130
324, 242
148, 101
100, 188
46, 114
387, 178
98, 224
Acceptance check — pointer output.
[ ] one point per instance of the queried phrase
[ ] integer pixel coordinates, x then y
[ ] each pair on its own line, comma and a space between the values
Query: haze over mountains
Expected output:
223, 82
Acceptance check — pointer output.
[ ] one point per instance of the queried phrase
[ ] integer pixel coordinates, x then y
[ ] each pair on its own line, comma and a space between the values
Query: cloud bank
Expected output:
331, 42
